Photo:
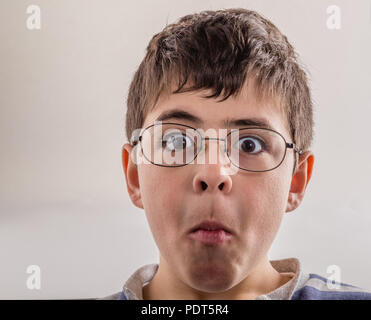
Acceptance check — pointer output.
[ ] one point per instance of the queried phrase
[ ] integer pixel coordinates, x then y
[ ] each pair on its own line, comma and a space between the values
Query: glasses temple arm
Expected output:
134, 140
293, 146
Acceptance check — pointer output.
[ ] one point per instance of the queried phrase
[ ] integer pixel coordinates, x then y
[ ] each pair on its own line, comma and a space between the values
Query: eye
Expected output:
251, 145
176, 141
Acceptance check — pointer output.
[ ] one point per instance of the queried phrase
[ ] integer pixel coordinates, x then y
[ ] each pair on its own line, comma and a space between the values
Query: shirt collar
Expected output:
133, 287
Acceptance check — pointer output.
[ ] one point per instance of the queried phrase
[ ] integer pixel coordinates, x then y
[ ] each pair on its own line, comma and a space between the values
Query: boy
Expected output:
215, 222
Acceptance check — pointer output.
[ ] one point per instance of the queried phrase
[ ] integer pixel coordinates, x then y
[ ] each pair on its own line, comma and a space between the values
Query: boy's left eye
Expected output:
250, 145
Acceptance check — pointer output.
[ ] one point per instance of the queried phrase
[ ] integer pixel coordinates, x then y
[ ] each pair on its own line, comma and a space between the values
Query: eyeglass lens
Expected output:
255, 149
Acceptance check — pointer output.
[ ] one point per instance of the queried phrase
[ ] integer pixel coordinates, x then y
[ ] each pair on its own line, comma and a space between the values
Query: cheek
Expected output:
263, 202
160, 192
158, 188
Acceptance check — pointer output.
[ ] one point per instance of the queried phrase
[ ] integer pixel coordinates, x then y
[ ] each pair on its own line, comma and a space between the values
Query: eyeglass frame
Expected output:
288, 145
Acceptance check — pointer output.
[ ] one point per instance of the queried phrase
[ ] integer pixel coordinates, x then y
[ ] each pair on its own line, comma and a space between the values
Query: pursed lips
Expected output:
210, 232
211, 225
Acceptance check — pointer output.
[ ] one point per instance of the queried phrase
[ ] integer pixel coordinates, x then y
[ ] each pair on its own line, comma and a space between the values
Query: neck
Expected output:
165, 285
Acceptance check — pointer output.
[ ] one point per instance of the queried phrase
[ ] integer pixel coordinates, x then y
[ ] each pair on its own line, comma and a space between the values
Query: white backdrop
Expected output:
63, 199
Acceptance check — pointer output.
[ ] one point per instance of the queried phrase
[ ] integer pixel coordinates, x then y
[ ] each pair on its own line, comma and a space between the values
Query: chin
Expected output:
212, 279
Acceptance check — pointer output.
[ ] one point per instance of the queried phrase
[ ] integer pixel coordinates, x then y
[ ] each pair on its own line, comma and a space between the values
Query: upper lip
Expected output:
210, 225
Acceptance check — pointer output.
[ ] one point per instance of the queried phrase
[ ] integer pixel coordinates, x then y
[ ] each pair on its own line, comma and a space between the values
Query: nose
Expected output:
212, 177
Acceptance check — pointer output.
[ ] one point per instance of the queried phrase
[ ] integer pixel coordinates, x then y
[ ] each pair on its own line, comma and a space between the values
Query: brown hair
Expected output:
220, 50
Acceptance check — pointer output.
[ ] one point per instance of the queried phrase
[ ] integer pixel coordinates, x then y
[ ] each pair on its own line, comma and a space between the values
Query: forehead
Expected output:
243, 110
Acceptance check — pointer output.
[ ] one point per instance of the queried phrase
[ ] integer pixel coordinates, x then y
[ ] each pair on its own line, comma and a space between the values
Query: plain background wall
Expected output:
63, 199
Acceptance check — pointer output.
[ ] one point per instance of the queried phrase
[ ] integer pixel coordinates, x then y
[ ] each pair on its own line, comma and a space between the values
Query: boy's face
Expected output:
250, 204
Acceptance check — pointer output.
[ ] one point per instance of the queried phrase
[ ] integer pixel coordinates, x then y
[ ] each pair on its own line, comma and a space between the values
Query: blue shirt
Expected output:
302, 286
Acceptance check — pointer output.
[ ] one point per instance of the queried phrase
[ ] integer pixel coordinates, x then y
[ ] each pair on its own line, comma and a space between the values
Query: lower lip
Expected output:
210, 236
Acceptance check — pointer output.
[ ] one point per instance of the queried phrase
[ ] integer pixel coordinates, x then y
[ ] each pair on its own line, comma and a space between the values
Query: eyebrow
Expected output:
184, 115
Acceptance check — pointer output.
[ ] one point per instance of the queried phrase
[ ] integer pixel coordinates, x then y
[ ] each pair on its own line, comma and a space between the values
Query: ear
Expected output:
131, 175
300, 180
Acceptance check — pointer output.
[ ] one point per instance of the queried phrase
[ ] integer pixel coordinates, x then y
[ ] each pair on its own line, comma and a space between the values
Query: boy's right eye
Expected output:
176, 142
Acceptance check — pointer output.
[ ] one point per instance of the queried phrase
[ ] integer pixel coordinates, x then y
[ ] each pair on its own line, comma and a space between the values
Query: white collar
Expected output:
133, 288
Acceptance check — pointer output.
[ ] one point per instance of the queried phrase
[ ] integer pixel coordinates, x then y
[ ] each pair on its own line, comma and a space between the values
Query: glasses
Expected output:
253, 149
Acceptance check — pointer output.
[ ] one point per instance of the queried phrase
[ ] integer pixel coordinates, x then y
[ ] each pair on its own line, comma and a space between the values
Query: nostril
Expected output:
221, 186
203, 185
